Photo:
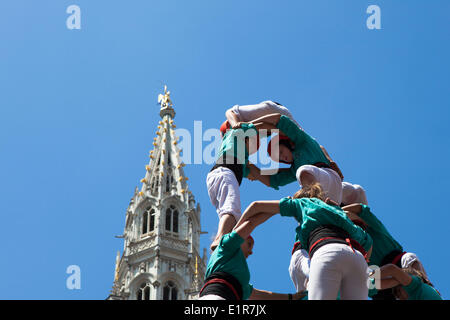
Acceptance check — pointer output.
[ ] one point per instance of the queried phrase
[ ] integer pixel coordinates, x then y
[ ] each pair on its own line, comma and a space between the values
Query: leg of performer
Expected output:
226, 224
224, 193
354, 280
299, 269
325, 275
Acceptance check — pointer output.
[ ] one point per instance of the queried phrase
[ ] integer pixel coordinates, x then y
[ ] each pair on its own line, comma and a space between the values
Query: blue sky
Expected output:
78, 115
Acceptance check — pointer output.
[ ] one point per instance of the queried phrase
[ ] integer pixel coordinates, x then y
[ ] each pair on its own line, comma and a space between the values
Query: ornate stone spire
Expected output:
164, 172
161, 257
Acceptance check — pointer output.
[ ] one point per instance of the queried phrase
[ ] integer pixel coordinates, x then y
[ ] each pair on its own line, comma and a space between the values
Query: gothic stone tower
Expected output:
161, 258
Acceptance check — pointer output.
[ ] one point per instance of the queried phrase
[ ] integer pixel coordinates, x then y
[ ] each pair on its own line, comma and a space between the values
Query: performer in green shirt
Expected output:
330, 238
408, 283
386, 250
309, 161
227, 275
224, 179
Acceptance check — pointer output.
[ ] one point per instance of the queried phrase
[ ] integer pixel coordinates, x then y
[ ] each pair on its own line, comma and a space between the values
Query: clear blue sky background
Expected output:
78, 115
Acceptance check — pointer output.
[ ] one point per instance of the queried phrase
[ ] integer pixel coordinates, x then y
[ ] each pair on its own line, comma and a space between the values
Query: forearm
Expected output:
354, 208
388, 283
258, 207
270, 119
392, 271
259, 175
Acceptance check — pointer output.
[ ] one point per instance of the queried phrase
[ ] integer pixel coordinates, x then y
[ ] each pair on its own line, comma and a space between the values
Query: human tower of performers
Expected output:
337, 238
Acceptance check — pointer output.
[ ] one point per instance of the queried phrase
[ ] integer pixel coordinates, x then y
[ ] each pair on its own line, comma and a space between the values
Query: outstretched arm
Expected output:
245, 228
268, 122
392, 276
256, 208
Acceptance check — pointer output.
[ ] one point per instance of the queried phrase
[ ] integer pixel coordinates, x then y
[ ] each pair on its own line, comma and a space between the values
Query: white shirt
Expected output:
254, 111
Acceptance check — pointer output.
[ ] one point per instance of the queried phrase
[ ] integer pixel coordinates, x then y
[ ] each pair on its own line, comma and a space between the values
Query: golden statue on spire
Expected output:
164, 99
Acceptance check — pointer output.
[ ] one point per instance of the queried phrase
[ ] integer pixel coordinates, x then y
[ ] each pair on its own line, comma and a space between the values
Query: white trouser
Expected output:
335, 267
224, 193
299, 269
329, 179
211, 297
353, 193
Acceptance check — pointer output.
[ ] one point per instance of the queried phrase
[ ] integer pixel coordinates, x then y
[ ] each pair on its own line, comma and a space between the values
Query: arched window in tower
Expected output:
152, 220
175, 221
144, 223
172, 219
170, 291
143, 293
148, 221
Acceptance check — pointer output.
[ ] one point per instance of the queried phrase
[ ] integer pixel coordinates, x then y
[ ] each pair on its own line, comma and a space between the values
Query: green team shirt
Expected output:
383, 242
233, 146
312, 213
228, 257
418, 290
307, 151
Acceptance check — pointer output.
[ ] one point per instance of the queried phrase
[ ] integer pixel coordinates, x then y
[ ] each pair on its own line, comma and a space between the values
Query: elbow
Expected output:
255, 206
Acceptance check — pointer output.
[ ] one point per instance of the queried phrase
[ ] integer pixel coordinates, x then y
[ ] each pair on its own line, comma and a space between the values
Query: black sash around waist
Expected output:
222, 284
323, 235
233, 165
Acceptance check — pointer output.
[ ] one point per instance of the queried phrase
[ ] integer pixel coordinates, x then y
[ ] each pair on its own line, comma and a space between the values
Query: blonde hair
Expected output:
312, 191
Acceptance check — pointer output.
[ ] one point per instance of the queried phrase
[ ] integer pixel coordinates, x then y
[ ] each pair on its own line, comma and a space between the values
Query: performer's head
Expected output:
285, 149
247, 246
414, 270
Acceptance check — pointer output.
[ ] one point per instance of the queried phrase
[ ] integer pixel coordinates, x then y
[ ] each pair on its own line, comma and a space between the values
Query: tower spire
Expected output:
162, 227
